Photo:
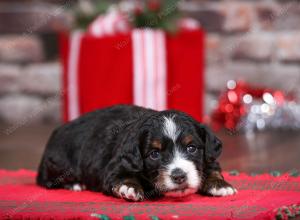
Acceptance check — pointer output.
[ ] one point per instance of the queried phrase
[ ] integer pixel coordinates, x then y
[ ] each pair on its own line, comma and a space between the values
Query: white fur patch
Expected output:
193, 179
170, 128
77, 187
224, 191
129, 193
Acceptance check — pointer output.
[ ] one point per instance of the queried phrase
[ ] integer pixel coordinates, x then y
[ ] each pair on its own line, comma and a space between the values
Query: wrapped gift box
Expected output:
160, 71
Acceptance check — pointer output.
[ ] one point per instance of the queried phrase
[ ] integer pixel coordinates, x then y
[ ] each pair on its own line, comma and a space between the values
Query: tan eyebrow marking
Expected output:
156, 144
187, 139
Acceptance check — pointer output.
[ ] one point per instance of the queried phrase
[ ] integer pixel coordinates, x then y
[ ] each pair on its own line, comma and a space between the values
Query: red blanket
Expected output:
259, 197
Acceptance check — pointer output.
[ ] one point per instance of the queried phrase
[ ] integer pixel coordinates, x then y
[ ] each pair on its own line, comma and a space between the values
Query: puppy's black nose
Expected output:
178, 176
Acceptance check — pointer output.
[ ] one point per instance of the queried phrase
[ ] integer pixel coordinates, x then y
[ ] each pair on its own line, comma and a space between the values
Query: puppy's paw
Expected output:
218, 187
223, 191
75, 187
130, 192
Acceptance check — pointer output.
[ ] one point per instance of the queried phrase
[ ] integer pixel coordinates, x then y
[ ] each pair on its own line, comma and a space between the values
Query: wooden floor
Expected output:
262, 152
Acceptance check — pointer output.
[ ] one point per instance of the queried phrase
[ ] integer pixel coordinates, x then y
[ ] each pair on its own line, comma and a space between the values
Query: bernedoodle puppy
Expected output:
134, 153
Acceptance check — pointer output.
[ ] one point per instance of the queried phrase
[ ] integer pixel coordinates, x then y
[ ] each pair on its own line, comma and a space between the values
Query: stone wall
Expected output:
29, 69
25, 89
257, 41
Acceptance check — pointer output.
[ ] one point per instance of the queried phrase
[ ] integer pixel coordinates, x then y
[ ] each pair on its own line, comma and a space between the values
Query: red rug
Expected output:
259, 197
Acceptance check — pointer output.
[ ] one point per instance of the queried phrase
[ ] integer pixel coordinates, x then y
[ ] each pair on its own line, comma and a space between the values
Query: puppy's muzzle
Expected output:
178, 176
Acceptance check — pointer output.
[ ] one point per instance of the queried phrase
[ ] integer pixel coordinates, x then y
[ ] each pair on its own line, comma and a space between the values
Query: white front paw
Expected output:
129, 193
223, 191
76, 187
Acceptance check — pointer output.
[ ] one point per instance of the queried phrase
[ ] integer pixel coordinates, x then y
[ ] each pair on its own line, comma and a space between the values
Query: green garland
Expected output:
155, 14
83, 19
162, 14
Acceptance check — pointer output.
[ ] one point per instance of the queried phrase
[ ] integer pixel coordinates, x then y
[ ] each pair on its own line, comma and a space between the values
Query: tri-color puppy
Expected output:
134, 153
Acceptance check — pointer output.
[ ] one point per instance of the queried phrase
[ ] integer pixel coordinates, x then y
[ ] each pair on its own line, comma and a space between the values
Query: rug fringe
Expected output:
274, 173
105, 217
287, 212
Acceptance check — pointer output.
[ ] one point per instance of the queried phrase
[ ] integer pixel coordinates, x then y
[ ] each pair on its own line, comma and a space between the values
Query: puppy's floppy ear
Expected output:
131, 158
213, 146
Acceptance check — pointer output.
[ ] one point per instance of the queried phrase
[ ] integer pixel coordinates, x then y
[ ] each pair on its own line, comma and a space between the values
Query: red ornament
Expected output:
233, 103
154, 5
138, 10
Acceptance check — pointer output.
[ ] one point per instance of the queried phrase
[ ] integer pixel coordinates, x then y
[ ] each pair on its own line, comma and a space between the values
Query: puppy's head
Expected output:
170, 151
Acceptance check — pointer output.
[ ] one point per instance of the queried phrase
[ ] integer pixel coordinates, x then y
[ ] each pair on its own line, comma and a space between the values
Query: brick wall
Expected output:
258, 41
29, 83
29, 68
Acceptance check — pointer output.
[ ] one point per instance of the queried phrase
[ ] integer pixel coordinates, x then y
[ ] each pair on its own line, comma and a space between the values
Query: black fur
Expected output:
109, 147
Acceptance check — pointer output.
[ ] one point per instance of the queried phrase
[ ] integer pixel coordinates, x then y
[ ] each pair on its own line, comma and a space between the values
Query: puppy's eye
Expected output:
155, 155
191, 149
